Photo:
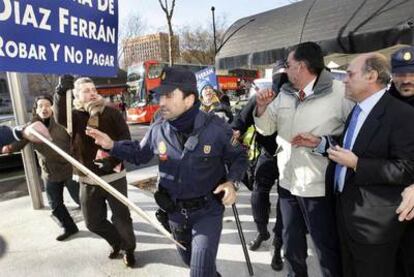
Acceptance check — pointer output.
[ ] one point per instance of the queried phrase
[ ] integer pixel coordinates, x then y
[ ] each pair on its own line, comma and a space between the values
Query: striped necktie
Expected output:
301, 95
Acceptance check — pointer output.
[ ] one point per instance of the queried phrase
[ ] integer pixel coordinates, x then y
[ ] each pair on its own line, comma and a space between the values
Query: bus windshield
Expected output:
135, 72
135, 81
154, 70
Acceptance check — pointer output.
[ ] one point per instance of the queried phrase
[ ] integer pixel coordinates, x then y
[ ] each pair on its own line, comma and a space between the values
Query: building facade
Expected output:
149, 47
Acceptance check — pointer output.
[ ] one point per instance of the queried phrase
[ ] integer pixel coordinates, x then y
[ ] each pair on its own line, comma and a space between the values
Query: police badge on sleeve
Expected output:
162, 149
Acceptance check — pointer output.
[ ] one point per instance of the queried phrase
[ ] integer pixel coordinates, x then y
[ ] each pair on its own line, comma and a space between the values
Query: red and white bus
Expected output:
141, 79
145, 76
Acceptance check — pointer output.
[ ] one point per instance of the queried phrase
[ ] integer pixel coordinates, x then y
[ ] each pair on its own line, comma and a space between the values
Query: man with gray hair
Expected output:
90, 111
370, 169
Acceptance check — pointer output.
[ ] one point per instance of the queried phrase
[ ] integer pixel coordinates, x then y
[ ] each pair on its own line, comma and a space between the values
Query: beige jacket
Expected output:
322, 113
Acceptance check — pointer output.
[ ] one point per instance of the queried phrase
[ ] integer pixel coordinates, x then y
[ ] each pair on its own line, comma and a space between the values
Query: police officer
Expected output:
402, 87
199, 164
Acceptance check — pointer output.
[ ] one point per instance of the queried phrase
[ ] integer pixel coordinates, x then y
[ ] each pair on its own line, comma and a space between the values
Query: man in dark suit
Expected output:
371, 169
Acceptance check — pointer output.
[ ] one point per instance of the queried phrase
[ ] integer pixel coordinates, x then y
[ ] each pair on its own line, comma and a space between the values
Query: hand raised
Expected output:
264, 97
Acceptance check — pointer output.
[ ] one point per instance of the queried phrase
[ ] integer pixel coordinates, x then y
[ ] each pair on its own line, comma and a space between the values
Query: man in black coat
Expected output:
370, 170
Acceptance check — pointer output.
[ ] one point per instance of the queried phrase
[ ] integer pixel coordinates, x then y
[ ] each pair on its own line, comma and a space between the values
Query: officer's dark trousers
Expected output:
93, 202
315, 214
54, 192
266, 173
201, 236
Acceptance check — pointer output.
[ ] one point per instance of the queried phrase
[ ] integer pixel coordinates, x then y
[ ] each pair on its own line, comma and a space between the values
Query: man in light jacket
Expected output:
312, 102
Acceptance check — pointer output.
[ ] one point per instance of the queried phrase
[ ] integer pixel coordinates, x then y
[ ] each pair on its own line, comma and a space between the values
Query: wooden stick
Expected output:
99, 181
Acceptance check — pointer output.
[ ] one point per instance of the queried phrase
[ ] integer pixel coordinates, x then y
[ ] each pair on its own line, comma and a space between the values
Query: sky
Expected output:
197, 12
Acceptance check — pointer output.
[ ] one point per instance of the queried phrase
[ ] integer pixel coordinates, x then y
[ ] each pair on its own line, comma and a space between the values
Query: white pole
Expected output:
123, 199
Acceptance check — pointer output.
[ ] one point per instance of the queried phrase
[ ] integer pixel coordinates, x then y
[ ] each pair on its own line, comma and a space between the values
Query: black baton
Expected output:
242, 240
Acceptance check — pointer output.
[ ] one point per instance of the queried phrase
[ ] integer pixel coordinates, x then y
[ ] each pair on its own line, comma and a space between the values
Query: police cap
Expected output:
173, 78
402, 61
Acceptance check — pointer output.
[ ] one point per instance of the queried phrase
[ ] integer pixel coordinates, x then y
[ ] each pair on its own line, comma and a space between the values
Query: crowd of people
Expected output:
341, 155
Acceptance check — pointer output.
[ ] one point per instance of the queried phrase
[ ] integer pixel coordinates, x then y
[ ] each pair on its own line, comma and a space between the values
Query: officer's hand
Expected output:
406, 208
100, 138
229, 193
40, 128
263, 98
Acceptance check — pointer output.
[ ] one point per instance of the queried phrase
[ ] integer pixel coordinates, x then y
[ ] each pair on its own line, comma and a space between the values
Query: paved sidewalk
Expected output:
28, 246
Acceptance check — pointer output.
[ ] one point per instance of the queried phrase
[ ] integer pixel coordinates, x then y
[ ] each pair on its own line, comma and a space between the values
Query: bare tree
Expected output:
132, 26
169, 14
197, 42
42, 83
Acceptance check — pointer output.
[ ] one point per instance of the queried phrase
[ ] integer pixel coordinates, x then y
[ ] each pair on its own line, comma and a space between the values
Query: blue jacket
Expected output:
6, 136
195, 169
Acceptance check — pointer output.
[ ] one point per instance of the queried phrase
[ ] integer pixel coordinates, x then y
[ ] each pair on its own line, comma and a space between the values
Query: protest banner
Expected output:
59, 37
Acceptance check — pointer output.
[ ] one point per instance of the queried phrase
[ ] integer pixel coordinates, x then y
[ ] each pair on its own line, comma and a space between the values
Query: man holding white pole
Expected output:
90, 110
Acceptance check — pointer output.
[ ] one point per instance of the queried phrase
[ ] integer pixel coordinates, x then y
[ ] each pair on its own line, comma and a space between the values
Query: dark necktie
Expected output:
301, 95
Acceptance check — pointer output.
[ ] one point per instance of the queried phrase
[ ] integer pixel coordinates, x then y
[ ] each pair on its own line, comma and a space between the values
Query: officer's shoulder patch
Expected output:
207, 149
407, 56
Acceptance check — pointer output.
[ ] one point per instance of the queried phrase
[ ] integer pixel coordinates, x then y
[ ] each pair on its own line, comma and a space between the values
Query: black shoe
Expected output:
129, 258
162, 218
277, 262
114, 252
67, 233
255, 244
218, 274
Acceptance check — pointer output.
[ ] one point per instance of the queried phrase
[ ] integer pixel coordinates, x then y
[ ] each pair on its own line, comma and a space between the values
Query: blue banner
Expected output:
59, 36
206, 76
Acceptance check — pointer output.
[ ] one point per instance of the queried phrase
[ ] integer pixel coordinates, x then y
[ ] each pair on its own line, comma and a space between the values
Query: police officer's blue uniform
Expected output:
402, 62
6, 135
189, 173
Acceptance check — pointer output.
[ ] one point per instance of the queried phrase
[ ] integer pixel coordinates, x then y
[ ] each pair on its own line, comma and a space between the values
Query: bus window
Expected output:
154, 70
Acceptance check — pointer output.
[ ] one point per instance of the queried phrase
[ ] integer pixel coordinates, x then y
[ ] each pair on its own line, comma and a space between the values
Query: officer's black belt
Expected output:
192, 203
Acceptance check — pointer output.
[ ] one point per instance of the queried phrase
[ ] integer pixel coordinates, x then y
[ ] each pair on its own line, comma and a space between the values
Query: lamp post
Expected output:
214, 31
